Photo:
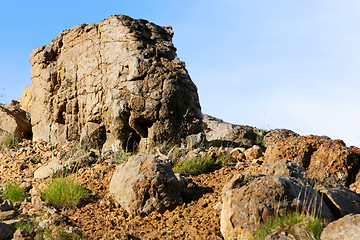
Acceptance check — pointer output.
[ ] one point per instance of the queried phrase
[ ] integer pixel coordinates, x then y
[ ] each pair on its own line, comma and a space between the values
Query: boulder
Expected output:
324, 159
117, 83
14, 120
341, 200
219, 132
47, 169
347, 227
248, 200
273, 136
145, 183
6, 231
289, 168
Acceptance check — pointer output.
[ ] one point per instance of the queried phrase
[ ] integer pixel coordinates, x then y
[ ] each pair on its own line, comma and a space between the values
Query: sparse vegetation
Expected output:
14, 192
63, 191
201, 164
119, 157
28, 226
299, 225
8, 140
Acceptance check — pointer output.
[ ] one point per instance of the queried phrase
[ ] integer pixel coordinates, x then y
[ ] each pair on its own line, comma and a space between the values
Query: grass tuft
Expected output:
201, 164
300, 225
14, 193
65, 192
8, 140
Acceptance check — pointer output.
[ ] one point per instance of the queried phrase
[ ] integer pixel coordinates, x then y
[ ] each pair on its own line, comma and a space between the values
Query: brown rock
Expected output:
13, 120
249, 200
276, 135
21, 234
144, 184
118, 82
347, 227
324, 159
253, 153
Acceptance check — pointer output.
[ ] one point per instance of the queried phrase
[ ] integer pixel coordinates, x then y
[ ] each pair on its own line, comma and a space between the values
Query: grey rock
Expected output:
144, 184
6, 231
6, 206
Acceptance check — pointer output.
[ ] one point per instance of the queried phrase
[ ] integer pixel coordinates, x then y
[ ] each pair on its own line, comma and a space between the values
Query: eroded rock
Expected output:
13, 120
117, 83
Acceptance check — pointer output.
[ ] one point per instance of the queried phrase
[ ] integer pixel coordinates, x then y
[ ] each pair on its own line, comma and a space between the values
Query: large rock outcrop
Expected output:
115, 83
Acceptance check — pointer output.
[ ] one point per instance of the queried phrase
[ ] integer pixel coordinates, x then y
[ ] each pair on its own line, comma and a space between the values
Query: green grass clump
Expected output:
300, 225
65, 192
28, 226
14, 193
8, 140
119, 157
201, 164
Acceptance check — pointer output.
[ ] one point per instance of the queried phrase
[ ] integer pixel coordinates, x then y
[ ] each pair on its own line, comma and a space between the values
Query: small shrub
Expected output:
28, 226
300, 225
119, 157
14, 193
64, 192
201, 164
8, 140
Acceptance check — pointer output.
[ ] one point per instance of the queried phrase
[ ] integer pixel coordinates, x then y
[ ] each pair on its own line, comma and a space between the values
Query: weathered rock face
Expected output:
324, 159
13, 120
248, 200
144, 184
118, 81
219, 131
347, 228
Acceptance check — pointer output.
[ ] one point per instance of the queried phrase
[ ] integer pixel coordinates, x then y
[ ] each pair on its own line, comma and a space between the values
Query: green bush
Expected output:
14, 193
28, 226
201, 164
64, 192
8, 140
300, 225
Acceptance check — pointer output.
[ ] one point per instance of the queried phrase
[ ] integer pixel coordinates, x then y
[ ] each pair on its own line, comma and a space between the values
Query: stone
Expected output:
114, 84
6, 231
219, 132
249, 200
144, 184
289, 168
347, 227
342, 200
48, 169
276, 135
253, 153
7, 215
324, 159
22, 234
13, 120
6, 206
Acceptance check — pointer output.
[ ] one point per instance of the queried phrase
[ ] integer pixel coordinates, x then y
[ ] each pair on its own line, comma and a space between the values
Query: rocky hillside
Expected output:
109, 143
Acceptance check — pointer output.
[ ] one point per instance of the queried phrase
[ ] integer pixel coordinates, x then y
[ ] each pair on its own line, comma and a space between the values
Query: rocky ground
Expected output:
101, 217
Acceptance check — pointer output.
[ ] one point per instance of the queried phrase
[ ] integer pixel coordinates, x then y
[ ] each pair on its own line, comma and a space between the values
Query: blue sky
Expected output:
266, 63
